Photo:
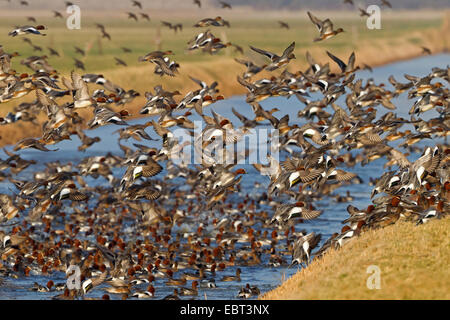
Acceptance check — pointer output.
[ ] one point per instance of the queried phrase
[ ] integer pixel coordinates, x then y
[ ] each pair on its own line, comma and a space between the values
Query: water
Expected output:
266, 278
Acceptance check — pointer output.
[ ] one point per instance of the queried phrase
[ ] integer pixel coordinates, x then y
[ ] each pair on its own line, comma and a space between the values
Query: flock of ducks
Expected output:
193, 226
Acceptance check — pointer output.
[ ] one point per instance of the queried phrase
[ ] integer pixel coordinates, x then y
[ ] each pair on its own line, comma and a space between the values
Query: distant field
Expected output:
140, 37
401, 36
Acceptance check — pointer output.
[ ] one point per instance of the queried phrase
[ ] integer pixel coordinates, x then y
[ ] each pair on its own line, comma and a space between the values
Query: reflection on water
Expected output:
262, 276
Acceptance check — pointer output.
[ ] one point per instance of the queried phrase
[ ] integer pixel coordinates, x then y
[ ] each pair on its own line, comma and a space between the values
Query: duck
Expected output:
47, 288
247, 123
225, 5
173, 296
329, 243
103, 116
283, 25
171, 65
144, 168
286, 212
363, 13
174, 26
248, 291
66, 295
133, 16
189, 291
157, 57
348, 68
149, 293
195, 276
31, 143
28, 30
176, 282
8, 210
426, 50
137, 132
217, 22
91, 283
252, 69
346, 198
325, 28
237, 277
303, 247
86, 141
347, 234
136, 4
208, 283
277, 61
244, 293
145, 16
118, 290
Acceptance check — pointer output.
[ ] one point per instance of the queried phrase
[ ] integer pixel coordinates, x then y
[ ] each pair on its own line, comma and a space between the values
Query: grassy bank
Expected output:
413, 261
401, 37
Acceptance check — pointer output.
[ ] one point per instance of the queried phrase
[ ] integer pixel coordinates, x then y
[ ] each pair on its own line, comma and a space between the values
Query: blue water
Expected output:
262, 276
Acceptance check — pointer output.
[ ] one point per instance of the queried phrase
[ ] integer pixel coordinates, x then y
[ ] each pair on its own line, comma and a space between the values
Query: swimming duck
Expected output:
149, 293
173, 296
189, 291
208, 283
248, 291
47, 288
237, 277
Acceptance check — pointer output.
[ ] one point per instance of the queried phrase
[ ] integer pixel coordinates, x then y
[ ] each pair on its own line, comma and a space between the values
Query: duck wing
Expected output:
268, 54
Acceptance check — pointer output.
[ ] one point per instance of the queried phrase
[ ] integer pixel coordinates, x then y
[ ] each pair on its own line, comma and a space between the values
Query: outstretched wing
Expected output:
317, 22
268, 54
289, 49
339, 62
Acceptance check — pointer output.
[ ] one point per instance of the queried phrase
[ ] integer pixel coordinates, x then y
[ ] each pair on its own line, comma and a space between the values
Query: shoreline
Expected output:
411, 261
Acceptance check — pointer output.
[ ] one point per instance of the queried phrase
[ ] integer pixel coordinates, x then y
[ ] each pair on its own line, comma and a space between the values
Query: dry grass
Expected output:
414, 263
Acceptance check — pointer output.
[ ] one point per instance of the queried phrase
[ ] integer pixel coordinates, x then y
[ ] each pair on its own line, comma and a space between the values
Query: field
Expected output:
413, 263
401, 37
